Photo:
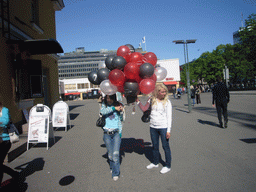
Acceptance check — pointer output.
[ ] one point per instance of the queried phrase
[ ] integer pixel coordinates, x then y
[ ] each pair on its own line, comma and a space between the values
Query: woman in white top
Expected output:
160, 124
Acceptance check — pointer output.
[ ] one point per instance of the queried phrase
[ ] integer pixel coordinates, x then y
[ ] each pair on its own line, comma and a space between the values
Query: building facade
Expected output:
79, 64
28, 47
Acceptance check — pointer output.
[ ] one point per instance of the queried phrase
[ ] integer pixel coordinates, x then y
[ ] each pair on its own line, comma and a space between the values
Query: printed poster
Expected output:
38, 129
59, 117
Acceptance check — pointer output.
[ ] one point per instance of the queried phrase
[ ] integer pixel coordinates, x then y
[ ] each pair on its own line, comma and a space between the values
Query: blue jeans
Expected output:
155, 133
113, 143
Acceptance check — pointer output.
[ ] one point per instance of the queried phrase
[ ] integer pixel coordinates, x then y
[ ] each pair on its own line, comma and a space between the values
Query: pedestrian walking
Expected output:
111, 110
160, 125
174, 92
220, 99
5, 144
198, 92
193, 95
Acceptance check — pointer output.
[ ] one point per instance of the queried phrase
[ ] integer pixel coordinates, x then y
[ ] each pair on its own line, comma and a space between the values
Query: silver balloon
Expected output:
160, 73
101, 65
107, 87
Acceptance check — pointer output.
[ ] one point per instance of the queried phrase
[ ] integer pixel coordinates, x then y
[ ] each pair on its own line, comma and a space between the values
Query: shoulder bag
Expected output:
101, 121
146, 114
13, 133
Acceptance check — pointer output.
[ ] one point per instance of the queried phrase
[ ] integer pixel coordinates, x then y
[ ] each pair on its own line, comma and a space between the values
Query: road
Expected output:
204, 156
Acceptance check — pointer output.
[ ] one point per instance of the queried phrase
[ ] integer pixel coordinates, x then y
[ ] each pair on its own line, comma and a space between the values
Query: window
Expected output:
70, 86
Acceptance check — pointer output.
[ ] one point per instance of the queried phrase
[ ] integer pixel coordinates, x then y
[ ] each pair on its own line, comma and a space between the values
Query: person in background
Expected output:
111, 110
193, 91
160, 125
220, 98
198, 92
174, 91
5, 144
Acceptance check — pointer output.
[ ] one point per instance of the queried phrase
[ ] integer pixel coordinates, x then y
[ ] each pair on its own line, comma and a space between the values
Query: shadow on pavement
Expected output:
249, 140
31, 167
73, 116
73, 107
209, 123
63, 128
130, 145
67, 180
27, 169
181, 110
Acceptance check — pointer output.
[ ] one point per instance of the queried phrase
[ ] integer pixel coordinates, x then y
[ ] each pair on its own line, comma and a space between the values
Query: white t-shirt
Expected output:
161, 116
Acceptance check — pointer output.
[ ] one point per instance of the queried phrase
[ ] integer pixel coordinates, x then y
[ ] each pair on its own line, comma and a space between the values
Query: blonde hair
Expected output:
158, 87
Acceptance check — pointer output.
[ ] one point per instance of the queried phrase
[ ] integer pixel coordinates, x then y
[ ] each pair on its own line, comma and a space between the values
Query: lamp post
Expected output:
185, 43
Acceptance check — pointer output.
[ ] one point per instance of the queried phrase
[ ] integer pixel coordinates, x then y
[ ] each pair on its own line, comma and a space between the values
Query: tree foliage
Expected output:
239, 58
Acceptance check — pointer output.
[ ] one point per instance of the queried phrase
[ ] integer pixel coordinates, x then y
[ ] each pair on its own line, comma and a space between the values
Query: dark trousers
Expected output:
4, 148
221, 107
198, 100
155, 134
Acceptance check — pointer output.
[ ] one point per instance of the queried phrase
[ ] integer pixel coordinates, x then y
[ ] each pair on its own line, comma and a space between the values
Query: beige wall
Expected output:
20, 17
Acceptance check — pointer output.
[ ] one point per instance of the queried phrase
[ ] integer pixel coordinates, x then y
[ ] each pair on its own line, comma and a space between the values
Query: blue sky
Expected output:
98, 24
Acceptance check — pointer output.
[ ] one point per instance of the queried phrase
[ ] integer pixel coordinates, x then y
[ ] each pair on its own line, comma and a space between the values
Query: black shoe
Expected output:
225, 124
221, 126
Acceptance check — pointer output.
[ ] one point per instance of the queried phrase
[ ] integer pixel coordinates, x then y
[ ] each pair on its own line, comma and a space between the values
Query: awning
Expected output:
171, 83
38, 46
76, 93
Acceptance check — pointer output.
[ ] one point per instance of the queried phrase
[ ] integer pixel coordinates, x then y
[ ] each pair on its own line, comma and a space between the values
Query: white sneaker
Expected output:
165, 170
152, 165
115, 178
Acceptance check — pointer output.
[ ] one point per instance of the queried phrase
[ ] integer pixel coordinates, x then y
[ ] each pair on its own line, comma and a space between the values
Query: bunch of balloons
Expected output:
128, 72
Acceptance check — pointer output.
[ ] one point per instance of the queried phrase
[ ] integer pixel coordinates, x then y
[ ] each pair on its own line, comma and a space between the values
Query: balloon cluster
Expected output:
128, 72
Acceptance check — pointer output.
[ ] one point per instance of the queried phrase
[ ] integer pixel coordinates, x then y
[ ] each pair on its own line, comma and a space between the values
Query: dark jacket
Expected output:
193, 92
220, 93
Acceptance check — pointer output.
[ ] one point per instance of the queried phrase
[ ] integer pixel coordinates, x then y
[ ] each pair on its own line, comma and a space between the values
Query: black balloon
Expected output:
146, 70
108, 62
103, 74
130, 47
93, 78
131, 89
119, 62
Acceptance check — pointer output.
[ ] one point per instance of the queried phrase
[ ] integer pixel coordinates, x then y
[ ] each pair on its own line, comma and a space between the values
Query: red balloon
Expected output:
117, 77
138, 79
153, 77
131, 70
147, 86
136, 57
120, 89
150, 58
124, 52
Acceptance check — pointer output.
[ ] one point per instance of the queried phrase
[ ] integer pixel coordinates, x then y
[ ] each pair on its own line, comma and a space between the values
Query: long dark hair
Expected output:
112, 97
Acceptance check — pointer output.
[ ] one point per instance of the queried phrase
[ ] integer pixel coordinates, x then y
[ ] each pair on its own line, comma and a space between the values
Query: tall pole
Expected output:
188, 83
185, 43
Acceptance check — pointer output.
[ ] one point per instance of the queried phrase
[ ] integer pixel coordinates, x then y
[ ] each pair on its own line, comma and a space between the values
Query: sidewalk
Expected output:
21, 146
204, 156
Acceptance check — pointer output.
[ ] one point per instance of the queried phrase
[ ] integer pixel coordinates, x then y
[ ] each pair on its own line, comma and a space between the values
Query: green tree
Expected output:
248, 38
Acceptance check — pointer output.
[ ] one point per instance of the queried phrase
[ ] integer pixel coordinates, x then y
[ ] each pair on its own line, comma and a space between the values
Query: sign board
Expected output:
38, 129
60, 114
40, 125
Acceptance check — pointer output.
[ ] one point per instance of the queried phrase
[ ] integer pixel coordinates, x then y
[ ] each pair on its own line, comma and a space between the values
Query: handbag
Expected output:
101, 121
146, 115
13, 133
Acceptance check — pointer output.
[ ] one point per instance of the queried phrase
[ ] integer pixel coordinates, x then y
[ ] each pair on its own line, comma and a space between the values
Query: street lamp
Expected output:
185, 43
